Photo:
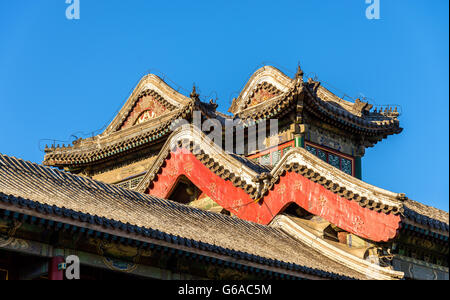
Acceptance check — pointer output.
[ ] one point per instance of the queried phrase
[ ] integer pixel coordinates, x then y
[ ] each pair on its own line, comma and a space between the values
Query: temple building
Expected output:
162, 193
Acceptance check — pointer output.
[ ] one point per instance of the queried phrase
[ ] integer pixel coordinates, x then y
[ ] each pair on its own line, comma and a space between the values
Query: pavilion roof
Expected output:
282, 94
118, 139
30, 188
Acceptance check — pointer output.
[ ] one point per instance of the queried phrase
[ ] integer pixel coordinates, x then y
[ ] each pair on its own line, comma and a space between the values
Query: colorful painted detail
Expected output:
337, 160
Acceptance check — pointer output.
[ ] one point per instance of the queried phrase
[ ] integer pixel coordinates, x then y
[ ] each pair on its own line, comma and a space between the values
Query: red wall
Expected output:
292, 187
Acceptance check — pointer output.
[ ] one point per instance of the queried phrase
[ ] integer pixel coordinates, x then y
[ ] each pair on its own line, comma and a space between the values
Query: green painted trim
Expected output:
358, 168
299, 142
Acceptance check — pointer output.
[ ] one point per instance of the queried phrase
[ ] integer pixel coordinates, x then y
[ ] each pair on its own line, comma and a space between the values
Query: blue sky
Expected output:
62, 77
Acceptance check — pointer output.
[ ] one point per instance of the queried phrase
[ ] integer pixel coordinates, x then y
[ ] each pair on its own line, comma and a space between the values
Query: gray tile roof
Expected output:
49, 186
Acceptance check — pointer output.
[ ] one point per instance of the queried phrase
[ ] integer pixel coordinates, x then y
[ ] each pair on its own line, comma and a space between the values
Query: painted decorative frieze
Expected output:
262, 92
146, 108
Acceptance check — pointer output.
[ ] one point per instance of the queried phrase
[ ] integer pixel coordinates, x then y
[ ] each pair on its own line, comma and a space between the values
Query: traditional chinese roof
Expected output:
129, 130
259, 193
148, 113
269, 93
47, 193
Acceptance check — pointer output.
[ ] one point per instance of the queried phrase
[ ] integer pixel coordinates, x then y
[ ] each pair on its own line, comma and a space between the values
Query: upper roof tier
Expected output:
153, 105
144, 119
269, 93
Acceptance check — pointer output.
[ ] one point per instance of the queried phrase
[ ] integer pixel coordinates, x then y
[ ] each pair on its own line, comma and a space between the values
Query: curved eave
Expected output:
411, 227
99, 148
348, 121
106, 154
284, 103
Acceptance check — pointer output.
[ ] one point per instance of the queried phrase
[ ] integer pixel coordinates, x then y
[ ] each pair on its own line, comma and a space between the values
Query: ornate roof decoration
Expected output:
275, 107
299, 73
355, 117
268, 94
149, 85
263, 91
194, 95
149, 105
145, 118
268, 77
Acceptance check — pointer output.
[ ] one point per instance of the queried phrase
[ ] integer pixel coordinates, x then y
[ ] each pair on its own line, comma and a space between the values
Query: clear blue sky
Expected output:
61, 77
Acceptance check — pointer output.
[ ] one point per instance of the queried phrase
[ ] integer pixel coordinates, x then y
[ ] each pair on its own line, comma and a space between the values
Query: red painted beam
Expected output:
53, 272
291, 188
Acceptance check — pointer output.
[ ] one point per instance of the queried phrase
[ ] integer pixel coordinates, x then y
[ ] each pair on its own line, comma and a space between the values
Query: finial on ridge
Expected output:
299, 73
194, 95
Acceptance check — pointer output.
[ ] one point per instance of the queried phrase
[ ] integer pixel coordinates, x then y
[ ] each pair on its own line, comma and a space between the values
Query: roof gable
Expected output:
151, 95
262, 92
148, 106
266, 83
